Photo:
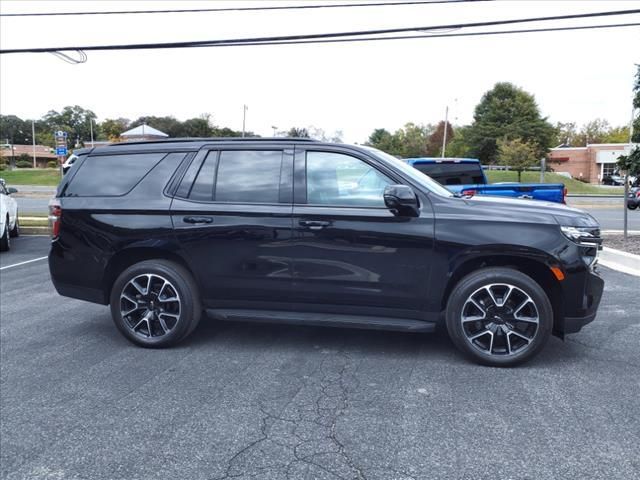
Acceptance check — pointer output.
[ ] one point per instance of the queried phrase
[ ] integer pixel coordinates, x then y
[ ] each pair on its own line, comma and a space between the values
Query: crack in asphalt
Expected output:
328, 401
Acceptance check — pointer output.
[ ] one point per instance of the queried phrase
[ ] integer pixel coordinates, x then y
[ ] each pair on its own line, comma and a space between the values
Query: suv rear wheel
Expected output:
155, 303
499, 317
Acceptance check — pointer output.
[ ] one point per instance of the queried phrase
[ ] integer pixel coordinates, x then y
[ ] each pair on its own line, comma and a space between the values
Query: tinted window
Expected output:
337, 179
203, 186
448, 173
248, 176
111, 175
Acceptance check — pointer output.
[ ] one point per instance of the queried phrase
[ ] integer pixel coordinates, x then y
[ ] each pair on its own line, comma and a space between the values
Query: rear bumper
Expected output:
62, 277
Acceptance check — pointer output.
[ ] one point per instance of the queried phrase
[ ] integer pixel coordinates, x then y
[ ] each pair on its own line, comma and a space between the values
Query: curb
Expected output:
34, 230
620, 261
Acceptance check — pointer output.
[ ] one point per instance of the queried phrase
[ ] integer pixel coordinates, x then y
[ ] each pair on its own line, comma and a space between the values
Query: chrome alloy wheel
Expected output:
500, 319
150, 306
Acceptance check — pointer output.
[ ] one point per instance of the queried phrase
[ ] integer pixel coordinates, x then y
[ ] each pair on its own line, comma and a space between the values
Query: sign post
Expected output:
61, 147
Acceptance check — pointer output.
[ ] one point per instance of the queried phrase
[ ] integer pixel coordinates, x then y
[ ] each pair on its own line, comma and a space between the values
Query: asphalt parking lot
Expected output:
273, 402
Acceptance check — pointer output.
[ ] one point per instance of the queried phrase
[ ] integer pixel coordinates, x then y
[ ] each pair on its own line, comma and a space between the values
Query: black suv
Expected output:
293, 230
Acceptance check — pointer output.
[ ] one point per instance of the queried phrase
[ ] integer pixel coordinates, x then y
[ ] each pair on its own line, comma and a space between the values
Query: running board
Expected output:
323, 319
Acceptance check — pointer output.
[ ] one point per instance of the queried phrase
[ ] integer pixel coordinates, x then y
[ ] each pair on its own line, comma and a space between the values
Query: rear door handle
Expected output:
196, 220
314, 224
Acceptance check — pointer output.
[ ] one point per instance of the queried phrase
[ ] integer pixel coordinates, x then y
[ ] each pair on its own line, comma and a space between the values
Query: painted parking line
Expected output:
23, 263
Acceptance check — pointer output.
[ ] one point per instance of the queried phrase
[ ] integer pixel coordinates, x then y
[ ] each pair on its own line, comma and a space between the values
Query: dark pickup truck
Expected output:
465, 176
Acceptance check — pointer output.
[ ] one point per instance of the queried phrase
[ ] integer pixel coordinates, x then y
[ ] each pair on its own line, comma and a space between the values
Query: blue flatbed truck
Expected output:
465, 176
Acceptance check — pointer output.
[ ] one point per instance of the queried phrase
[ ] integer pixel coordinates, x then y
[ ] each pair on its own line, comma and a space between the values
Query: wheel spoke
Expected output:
163, 325
138, 287
518, 334
129, 312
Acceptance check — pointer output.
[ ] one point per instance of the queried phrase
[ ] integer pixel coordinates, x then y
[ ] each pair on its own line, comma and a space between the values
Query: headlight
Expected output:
588, 238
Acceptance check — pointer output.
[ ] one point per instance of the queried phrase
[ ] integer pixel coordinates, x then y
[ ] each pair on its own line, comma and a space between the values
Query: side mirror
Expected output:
401, 200
11, 190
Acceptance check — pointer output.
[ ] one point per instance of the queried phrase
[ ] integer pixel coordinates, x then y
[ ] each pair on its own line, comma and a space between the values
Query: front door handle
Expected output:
314, 224
196, 220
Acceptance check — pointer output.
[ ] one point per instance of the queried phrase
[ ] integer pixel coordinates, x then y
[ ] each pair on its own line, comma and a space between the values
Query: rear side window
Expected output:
112, 175
248, 176
449, 173
235, 176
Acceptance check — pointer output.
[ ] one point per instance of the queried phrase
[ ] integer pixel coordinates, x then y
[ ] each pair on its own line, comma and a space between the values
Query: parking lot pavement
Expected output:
259, 401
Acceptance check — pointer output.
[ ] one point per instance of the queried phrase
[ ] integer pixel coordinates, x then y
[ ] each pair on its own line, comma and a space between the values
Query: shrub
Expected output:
52, 164
3, 166
24, 164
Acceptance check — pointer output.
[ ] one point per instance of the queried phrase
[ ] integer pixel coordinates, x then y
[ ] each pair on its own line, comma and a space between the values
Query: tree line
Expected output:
78, 122
507, 128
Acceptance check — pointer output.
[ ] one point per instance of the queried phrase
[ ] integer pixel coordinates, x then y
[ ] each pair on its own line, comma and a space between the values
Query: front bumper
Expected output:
591, 296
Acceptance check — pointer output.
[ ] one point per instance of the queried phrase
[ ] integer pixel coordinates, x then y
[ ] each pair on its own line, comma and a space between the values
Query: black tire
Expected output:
632, 206
186, 310
15, 231
5, 243
505, 326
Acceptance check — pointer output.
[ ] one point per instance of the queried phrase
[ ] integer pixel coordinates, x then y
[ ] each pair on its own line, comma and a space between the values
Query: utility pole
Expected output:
626, 179
444, 137
33, 139
91, 129
244, 118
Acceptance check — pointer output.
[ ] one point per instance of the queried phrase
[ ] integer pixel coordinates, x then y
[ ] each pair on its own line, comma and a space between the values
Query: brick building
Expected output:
590, 163
44, 154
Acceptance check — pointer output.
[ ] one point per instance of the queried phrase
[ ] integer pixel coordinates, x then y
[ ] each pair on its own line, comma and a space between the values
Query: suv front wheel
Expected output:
155, 303
499, 317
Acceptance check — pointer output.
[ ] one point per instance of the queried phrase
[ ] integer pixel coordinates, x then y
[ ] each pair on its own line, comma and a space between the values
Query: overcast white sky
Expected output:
575, 76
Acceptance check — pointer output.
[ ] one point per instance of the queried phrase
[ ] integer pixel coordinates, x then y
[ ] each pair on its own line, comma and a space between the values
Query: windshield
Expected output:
415, 175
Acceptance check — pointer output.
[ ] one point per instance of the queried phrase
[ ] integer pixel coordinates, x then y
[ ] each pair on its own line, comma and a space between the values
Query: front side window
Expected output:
343, 180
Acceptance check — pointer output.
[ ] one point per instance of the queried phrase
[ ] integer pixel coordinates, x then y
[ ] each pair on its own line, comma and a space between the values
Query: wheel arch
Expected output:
130, 256
537, 269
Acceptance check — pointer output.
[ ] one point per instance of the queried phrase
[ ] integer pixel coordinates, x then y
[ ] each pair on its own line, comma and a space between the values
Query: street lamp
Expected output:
274, 129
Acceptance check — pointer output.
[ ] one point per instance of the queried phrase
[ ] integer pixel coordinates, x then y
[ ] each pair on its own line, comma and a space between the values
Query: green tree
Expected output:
198, 127
383, 140
617, 135
298, 132
15, 130
111, 128
74, 120
507, 111
459, 147
631, 163
517, 154
414, 140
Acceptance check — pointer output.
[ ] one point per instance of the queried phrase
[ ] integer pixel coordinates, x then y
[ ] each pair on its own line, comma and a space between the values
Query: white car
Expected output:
9, 226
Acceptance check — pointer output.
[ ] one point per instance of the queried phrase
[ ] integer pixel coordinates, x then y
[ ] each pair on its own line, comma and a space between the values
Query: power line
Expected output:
242, 9
317, 36
427, 35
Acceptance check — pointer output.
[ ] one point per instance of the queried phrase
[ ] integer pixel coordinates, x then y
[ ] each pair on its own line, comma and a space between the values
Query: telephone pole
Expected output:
244, 118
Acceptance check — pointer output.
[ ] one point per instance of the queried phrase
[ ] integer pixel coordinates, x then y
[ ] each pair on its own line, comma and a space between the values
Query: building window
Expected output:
608, 169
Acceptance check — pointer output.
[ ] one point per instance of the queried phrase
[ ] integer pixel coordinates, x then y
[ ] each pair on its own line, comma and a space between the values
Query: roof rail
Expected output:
214, 139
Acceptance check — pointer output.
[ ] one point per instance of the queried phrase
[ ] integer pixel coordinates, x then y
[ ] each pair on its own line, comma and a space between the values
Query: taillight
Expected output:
564, 195
468, 193
638, 194
55, 217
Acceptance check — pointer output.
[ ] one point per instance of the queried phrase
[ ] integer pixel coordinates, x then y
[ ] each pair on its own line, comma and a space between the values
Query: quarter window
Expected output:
343, 180
112, 175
